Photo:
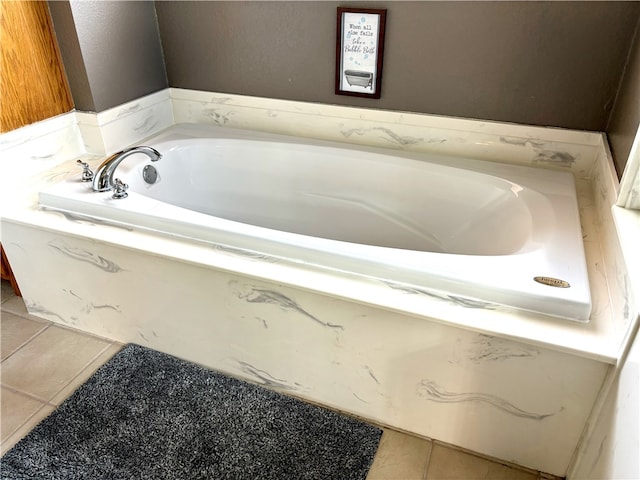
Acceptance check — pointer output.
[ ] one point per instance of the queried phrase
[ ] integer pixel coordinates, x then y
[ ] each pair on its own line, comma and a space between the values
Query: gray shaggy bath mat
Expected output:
147, 415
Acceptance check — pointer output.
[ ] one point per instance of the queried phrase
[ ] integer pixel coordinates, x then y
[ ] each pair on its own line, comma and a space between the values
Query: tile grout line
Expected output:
109, 343
47, 403
44, 403
504, 463
85, 367
23, 344
22, 425
27, 394
426, 466
25, 314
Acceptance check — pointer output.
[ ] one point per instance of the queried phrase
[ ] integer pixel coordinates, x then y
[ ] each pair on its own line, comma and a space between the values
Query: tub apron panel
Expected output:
494, 396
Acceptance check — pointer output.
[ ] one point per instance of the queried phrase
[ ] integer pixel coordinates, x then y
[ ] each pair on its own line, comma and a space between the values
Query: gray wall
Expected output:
541, 63
111, 51
625, 117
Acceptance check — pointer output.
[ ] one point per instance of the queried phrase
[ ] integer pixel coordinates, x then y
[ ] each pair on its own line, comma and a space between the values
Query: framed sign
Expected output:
359, 48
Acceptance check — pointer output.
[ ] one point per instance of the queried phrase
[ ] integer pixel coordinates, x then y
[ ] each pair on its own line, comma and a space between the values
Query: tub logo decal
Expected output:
552, 282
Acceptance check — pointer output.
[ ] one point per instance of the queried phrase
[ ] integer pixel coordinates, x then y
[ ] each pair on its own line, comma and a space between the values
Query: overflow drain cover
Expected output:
552, 282
150, 174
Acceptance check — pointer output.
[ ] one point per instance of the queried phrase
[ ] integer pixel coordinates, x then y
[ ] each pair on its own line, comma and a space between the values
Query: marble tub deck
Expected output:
32, 349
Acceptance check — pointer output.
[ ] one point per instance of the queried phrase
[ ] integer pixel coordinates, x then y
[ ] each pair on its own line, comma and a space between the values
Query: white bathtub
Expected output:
474, 232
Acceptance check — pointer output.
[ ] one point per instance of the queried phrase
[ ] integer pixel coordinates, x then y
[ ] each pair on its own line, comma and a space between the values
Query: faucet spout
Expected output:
103, 179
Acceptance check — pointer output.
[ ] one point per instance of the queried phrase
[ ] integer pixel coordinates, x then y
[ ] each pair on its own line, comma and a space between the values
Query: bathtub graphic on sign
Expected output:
359, 52
359, 78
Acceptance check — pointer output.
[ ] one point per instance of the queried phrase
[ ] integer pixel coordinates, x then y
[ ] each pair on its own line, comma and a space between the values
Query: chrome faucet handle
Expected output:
87, 174
119, 189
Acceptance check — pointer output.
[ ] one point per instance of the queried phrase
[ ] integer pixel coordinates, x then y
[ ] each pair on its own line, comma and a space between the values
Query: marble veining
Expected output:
389, 135
72, 293
36, 308
111, 130
142, 335
555, 158
54, 176
83, 255
455, 136
245, 253
370, 372
260, 295
147, 125
432, 391
128, 109
544, 155
455, 299
84, 220
217, 117
220, 100
48, 155
487, 348
263, 321
92, 306
523, 142
266, 379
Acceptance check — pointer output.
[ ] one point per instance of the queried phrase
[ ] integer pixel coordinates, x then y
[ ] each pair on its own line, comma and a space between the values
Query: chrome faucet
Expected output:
103, 179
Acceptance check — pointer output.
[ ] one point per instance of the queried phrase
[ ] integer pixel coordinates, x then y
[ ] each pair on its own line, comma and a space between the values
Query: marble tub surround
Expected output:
585, 154
628, 223
597, 339
396, 369
41, 148
107, 132
525, 145
36, 149
630, 182
413, 361
306, 201
592, 340
614, 267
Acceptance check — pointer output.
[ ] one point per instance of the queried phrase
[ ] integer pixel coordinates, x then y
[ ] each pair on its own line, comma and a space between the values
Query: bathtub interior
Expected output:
472, 229
333, 194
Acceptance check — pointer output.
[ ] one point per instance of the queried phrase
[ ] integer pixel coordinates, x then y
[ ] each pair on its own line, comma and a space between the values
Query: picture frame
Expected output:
359, 51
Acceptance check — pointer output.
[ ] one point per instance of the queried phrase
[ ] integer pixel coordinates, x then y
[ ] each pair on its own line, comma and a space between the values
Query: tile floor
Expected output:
43, 363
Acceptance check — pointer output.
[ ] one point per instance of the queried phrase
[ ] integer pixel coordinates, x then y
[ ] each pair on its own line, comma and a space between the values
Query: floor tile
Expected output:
7, 292
16, 306
450, 464
16, 331
50, 361
84, 375
16, 409
37, 417
400, 456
